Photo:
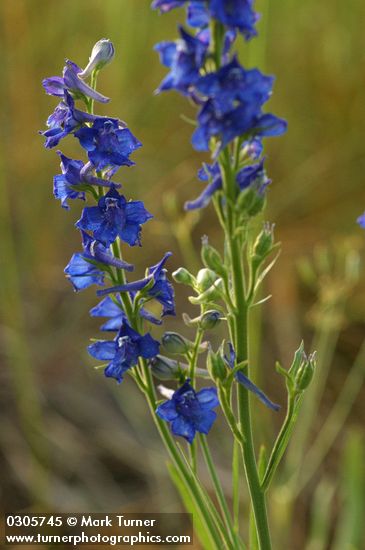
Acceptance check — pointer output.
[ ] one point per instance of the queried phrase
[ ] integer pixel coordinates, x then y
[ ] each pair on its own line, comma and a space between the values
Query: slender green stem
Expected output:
236, 485
240, 341
282, 440
219, 491
202, 501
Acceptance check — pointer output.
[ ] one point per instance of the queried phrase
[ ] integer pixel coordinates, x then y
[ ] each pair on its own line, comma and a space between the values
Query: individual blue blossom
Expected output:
189, 411
108, 143
82, 274
240, 121
198, 15
65, 120
246, 382
211, 173
156, 284
232, 13
123, 352
101, 54
87, 268
75, 174
236, 14
361, 220
71, 82
109, 308
115, 313
253, 174
185, 58
232, 84
113, 217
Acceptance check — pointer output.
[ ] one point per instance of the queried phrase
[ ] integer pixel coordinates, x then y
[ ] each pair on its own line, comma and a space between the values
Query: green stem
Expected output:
240, 342
202, 503
282, 440
236, 485
219, 491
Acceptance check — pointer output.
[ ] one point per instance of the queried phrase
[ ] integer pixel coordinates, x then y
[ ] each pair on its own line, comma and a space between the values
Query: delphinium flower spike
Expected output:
109, 223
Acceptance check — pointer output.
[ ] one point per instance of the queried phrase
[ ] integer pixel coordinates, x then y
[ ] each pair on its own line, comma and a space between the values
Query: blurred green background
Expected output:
69, 438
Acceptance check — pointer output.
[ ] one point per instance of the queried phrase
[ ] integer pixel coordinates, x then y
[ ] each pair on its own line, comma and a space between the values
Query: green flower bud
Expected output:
214, 292
164, 368
305, 373
251, 202
210, 319
264, 243
211, 258
176, 344
216, 366
102, 53
183, 276
205, 278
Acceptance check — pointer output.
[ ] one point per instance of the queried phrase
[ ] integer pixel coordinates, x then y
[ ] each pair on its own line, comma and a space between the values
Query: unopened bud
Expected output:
164, 368
102, 53
216, 366
176, 344
211, 257
263, 243
210, 319
251, 202
205, 278
183, 276
305, 373
214, 292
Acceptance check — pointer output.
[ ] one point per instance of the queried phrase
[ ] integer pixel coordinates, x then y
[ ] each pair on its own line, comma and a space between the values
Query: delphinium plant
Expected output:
201, 380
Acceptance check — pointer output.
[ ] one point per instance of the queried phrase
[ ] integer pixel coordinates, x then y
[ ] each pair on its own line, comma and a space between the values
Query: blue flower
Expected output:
64, 120
71, 81
108, 143
198, 14
236, 14
123, 352
108, 308
232, 84
114, 216
189, 411
232, 13
86, 268
74, 174
240, 121
253, 174
213, 174
159, 287
361, 220
246, 382
185, 57
82, 273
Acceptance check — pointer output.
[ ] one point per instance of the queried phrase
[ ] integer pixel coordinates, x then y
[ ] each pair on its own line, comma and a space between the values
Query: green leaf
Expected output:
198, 525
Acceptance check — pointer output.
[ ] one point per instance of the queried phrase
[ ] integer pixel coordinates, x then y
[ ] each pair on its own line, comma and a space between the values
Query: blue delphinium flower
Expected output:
86, 268
71, 81
156, 284
75, 174
249, 176
114, 216
64, 120
82, 273
123, 352
208, 172
185, 58
246, 382
189, 411
361, 220
108, 143
232, 13
108, 308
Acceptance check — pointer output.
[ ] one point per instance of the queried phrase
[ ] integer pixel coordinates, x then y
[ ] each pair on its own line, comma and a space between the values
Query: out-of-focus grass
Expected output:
316, 51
